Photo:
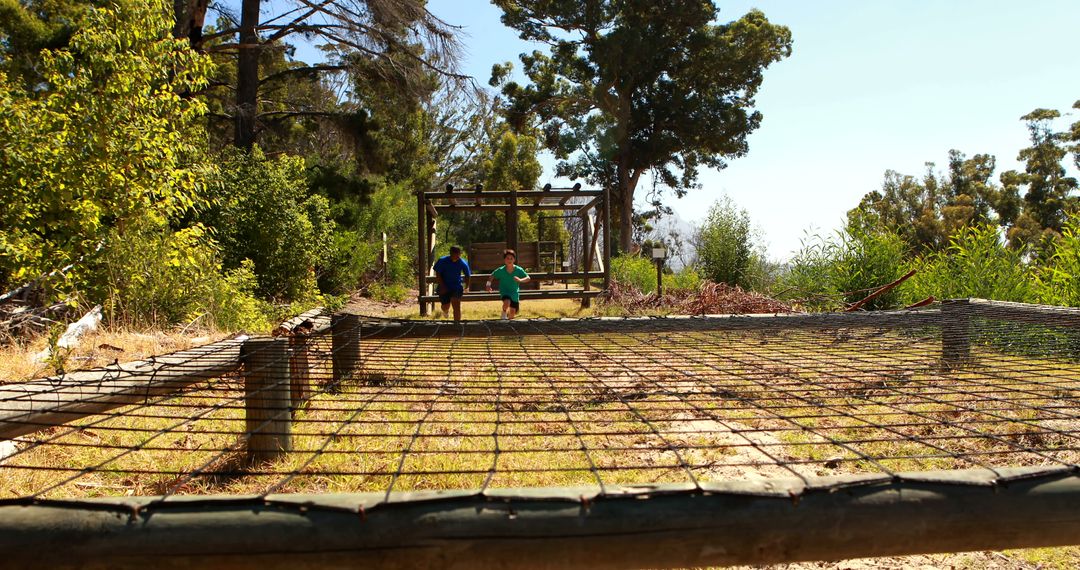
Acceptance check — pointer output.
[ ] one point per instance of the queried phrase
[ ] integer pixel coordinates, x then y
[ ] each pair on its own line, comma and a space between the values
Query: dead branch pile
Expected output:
709, 299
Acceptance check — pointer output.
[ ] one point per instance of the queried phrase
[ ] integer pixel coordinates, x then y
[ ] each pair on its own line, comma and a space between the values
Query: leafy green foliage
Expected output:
262, 212
639, 85
158, 277
636, 271
724, 244
976, 263
829, 272
105, 144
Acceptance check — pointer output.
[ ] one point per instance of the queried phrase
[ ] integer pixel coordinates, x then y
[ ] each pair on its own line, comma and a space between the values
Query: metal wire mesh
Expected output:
381, 405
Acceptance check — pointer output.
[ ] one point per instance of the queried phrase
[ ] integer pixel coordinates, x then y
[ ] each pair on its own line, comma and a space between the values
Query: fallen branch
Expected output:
922, 303
880, 291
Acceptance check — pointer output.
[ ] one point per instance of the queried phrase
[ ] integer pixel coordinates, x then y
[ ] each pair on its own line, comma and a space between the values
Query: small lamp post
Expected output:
659, 254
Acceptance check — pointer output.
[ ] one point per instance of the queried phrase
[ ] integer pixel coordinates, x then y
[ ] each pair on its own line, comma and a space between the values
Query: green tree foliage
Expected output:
831, 272
263, 213
29, 26
1046, 190
976, 263
104, 147
926, 211
631, 86
725, 244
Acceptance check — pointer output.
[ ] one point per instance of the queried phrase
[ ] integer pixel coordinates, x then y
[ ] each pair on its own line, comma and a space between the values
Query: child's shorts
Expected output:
515, 305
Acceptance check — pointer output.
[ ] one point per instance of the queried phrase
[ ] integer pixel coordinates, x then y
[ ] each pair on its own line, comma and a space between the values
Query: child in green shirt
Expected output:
510, 278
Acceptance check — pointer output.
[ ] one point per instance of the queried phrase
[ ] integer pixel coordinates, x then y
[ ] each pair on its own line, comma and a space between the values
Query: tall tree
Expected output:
379, 33
926, 211
631, 86
1047, 191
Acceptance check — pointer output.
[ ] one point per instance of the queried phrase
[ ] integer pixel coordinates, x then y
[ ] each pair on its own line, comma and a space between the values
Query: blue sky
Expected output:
872, 85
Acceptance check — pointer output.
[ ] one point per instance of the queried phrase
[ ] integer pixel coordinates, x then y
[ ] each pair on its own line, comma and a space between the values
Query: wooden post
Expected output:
267, 397
607, 237
432, 234
345, 345
586, 243
512, 221
299, 370
955, 332
659, 277
421, 249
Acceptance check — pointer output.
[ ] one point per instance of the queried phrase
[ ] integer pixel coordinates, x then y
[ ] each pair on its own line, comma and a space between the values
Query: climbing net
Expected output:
386, 406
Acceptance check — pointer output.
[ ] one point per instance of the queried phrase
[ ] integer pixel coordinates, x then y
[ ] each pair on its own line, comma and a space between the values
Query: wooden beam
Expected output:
38, 404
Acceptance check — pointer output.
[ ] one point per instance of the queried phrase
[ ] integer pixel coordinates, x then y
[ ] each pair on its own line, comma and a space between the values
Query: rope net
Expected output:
387, 406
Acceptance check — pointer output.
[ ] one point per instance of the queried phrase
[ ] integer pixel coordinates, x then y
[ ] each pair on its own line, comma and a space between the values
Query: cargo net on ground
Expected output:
372, 405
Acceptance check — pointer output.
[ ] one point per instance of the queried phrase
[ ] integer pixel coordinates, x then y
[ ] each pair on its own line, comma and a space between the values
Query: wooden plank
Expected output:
31, 406
541, 294
421, 248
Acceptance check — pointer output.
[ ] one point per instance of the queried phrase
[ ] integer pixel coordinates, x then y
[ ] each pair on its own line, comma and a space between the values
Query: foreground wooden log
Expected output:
32, 406
647, 526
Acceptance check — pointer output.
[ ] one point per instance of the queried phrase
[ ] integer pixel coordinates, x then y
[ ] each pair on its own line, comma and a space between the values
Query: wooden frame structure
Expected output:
591, 205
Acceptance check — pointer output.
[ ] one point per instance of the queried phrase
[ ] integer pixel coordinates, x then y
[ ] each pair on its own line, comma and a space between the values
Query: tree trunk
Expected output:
627, 183
247, 75
190, 17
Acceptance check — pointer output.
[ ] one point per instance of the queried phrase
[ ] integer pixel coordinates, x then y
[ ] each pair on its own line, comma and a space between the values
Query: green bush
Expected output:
724, 244
262, 212
977, 263
686, 280
829, 272
1060, 276
156, 278
635, 271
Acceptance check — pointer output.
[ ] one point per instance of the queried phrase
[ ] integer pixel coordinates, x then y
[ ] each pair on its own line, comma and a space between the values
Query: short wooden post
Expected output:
586, 254
299, 370
955, 332
345, 345
267, 397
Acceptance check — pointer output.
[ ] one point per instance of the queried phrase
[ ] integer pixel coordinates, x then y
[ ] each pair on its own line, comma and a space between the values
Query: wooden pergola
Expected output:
591, 206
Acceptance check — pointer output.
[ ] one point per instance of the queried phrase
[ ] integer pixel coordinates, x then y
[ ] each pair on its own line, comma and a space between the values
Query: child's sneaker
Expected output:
504, 317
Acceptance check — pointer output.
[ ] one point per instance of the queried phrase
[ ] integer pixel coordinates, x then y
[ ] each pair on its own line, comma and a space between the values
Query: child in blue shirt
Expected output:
448, 272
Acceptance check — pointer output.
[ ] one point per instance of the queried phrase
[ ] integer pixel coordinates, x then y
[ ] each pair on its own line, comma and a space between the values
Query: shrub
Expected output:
829, 272
724, 244
977, 263
262, 212
1060, 276
156, 278
635, 271
686, 280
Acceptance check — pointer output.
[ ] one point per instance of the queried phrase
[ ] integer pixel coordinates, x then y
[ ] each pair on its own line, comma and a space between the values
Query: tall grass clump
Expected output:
976, 263
829, 272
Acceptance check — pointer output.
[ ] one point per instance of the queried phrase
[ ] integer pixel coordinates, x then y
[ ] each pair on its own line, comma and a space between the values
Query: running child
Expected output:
510, 278
448, 272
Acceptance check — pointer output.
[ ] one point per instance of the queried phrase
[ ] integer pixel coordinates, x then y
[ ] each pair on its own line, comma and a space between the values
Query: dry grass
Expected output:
18, 362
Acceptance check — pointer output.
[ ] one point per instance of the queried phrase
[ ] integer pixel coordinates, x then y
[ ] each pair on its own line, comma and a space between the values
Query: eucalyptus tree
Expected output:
390, 40
635, 86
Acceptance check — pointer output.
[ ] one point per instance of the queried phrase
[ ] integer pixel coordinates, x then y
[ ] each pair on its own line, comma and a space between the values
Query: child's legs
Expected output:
456, 302
514, 306
506, 305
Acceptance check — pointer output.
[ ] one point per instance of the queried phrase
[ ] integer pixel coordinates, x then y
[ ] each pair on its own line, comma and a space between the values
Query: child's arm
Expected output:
490, 279
524, 279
